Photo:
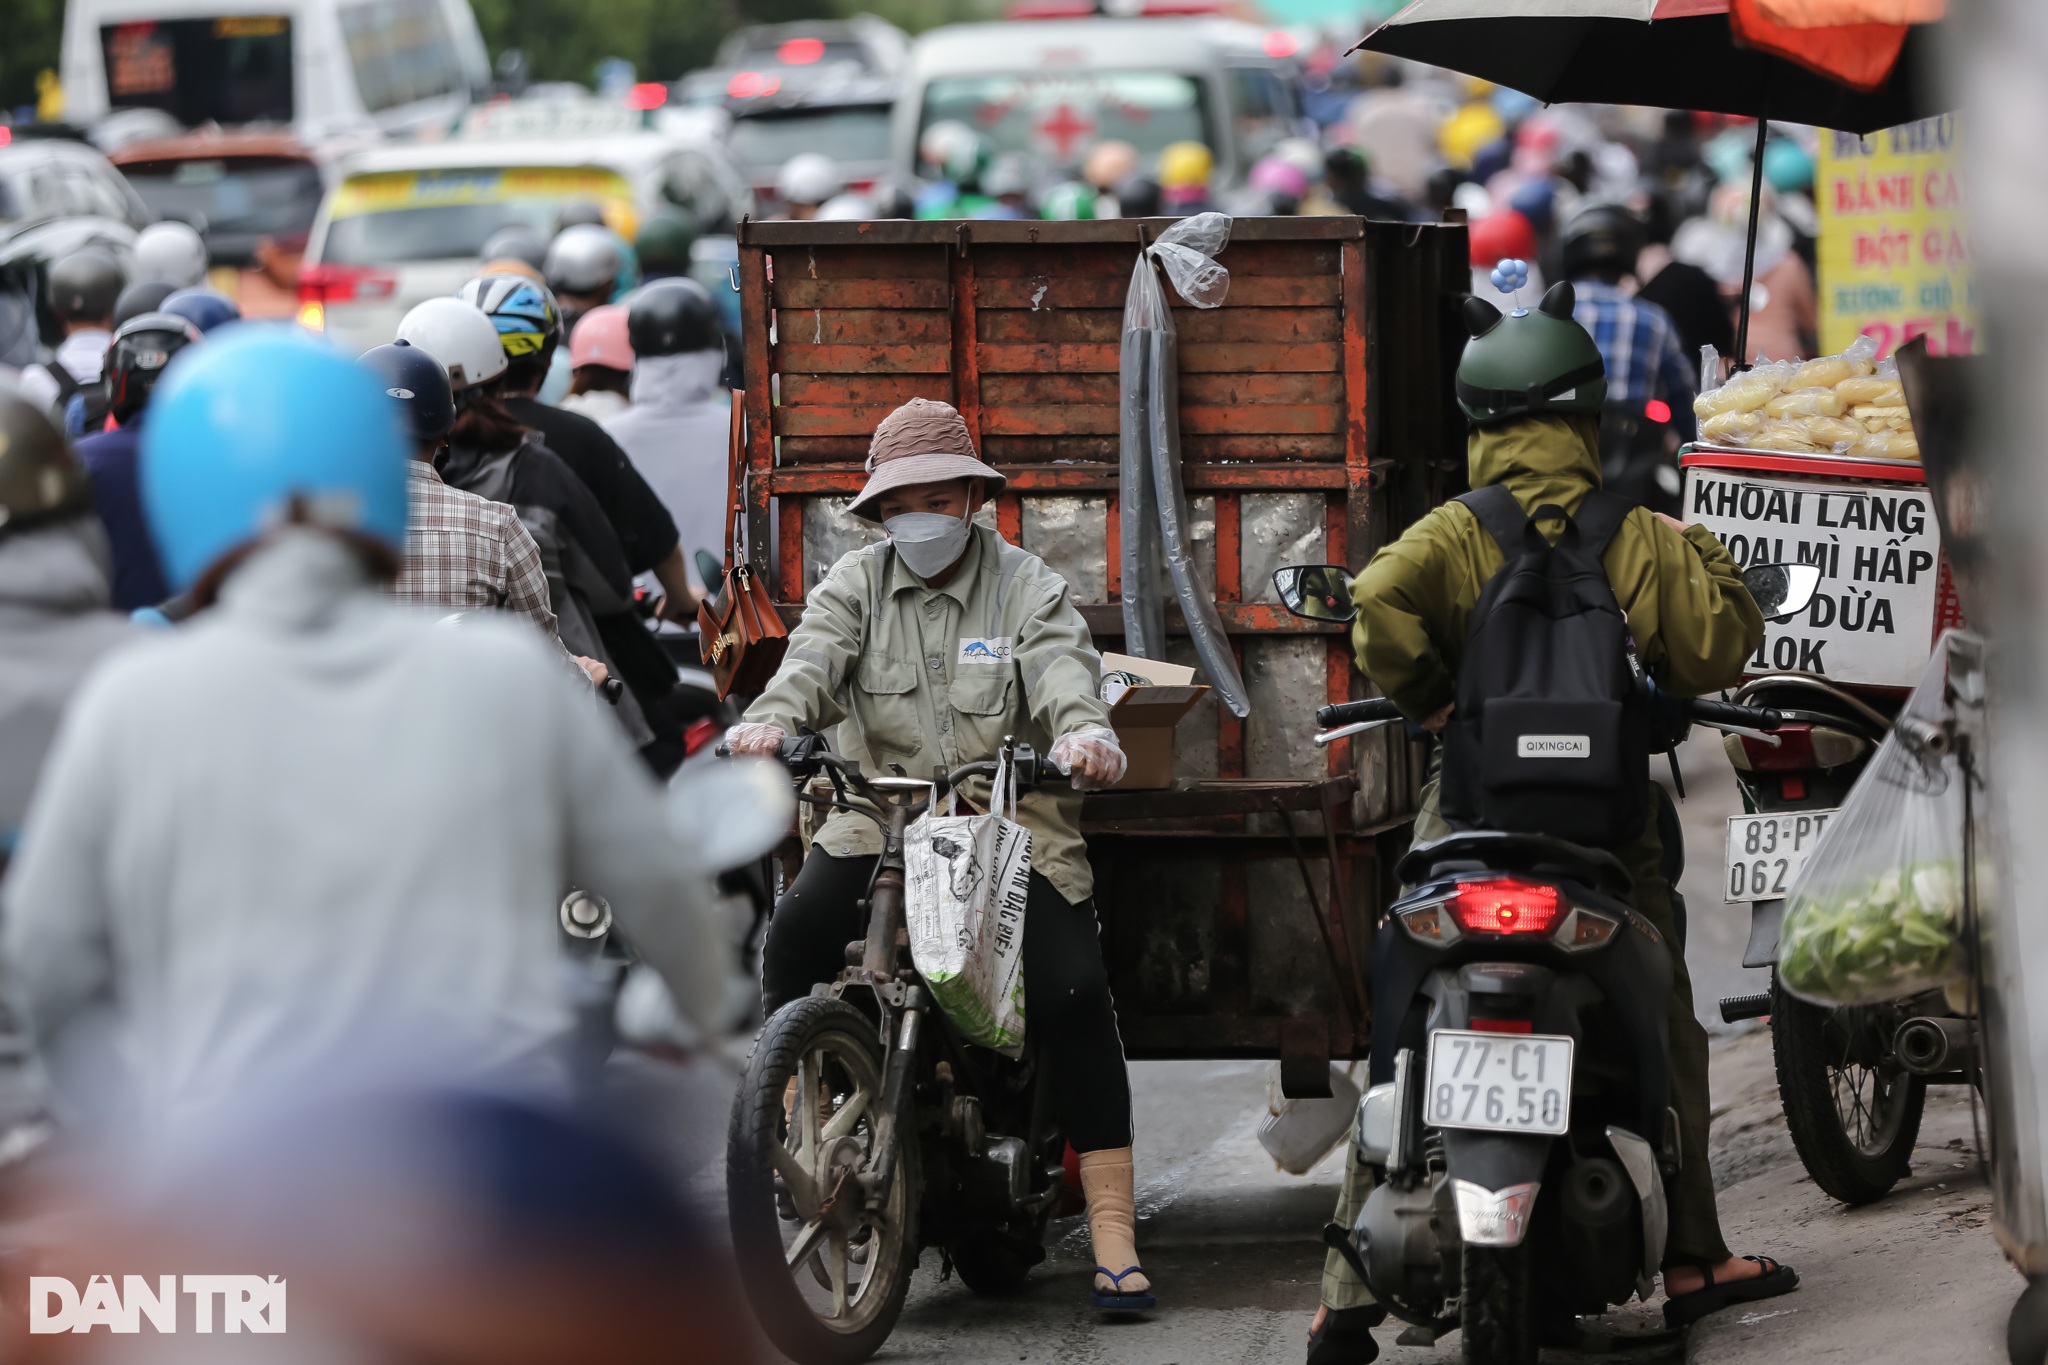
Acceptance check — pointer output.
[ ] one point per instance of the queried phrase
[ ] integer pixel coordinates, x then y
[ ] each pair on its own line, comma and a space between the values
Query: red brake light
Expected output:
1280, 43
647, 95
1657, 410
1504, 906
747, 85
6, 136
324, 284
800, 51
1792, 753
1501, 1026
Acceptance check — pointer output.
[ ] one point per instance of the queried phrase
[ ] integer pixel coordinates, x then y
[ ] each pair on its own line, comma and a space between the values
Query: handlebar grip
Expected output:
1352, 712
1723, 713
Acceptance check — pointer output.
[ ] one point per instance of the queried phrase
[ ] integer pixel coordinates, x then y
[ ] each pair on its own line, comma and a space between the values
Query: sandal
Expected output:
1118, 1300
1687, 1309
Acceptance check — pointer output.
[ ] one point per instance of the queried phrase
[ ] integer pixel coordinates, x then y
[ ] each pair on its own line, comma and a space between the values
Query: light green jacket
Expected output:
935, 677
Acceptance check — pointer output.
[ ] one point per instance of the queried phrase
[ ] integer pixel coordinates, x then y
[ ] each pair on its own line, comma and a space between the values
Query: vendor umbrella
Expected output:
1672, 54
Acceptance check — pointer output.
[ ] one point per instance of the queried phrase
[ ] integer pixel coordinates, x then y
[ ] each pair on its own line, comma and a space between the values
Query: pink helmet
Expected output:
1277, 176
600, 339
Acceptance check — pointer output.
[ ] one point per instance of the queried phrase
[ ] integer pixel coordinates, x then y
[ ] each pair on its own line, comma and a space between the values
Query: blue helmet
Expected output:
419, 384
259, 416
526, 315
204, 308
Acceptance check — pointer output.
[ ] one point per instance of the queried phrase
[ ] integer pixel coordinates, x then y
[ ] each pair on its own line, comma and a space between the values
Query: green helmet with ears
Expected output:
1529, 362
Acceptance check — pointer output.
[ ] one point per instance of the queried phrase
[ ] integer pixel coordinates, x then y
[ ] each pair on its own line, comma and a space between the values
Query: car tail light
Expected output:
800, 51
1504, 906
325, 284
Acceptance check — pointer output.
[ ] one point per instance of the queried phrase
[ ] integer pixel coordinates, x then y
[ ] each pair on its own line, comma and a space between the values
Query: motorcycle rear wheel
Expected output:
1497, 1312
827, 1283
1853, 1110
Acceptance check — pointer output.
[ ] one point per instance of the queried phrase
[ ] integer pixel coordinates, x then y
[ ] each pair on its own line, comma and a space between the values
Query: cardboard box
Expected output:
1144, 717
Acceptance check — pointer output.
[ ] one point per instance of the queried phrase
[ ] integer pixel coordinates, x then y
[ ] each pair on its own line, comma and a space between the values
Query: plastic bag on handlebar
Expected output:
1877, 912
966, 879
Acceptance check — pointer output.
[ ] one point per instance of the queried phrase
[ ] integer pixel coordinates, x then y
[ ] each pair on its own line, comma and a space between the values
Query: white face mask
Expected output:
928, 541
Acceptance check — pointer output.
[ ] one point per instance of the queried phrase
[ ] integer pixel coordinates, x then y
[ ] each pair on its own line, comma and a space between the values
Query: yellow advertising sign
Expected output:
1895, 250
380, 192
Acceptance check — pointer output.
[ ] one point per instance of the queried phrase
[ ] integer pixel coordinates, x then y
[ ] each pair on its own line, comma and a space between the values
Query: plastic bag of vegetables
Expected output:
1877, 913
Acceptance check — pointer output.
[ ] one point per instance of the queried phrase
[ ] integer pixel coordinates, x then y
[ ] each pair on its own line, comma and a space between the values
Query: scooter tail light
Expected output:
1587, 929
1502, 905
1429, 924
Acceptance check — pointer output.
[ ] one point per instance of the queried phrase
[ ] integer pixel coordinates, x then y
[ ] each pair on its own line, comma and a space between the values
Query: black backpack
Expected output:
1550, 734
98, 403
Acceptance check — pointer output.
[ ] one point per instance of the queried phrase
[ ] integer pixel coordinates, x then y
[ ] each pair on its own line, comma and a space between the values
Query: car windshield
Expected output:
762, 142
274, 196
440, 215
1057, 117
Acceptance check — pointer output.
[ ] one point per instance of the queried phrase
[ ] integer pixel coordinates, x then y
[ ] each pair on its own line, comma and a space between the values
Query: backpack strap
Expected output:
1501, 515
1598, 518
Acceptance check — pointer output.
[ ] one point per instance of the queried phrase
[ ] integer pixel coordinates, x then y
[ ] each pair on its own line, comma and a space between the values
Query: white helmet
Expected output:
170, 253
1302, 154
808, 178
583, 259
458, 335
848, 208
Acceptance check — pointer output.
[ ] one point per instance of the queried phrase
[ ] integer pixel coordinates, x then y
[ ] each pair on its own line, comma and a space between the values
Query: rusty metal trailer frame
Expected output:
1324, 378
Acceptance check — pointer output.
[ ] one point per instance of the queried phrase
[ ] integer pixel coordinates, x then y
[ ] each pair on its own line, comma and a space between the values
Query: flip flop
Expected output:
1117, 1300
1686, 1309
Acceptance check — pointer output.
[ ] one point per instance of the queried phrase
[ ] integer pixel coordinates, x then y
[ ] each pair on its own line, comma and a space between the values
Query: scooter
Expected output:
1518, 1123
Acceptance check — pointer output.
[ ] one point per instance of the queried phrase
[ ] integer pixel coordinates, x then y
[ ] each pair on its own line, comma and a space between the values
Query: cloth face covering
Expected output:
928, 541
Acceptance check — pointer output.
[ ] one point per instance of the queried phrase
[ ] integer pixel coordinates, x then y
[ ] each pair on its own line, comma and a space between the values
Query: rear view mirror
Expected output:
1320, 592
1782, 591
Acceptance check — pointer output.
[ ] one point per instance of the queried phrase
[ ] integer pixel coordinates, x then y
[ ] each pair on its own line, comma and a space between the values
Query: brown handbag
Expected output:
740, 630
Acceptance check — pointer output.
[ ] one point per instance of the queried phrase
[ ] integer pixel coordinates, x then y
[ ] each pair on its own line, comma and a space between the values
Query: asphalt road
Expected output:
1231, 1241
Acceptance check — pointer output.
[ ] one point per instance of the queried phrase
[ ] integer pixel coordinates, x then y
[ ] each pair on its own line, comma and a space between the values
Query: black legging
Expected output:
1066, 988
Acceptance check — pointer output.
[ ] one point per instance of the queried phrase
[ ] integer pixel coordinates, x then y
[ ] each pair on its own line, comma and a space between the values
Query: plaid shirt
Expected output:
1639, 342
465, 551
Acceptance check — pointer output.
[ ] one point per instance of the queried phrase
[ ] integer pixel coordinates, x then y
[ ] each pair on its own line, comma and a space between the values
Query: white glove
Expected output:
1091, 756
755, 737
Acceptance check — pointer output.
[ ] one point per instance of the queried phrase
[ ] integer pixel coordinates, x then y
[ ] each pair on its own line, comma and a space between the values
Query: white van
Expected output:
1051, 89
327, 67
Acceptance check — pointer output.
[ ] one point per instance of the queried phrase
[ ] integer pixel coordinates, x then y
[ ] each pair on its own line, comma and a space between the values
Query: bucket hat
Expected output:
924, 441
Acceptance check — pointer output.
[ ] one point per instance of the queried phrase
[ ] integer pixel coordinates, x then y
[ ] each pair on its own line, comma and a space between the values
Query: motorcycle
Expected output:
866, 1128
1519, 1124
1852, 1080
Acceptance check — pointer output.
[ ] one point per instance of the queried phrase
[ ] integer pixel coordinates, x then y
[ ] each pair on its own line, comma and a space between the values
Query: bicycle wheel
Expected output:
826, 1276
1853, 1110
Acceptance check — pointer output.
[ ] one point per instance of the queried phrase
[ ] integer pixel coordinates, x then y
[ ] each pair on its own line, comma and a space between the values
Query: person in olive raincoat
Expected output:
1532, 384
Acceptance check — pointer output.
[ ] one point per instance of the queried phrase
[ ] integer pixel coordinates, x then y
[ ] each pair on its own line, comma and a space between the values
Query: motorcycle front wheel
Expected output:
826, 1276
1497, 1313
1854, 1111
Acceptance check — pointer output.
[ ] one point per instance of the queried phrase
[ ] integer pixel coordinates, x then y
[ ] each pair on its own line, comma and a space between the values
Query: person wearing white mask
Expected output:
926, 649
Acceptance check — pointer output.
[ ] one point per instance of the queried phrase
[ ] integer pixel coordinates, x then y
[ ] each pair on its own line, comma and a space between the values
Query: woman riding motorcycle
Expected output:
1532, 385
926, 649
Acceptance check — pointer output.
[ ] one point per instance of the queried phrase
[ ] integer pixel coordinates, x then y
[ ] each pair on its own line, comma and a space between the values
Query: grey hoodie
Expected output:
54, 625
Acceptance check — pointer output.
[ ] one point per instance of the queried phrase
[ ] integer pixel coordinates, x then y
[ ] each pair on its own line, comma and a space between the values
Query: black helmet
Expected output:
670, 317
143, 296
1600, 238
515, 243
136, 360
39, 479
418, 382
84, 286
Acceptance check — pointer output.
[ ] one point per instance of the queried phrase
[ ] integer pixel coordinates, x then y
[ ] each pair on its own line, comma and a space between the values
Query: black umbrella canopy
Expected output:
1612, 52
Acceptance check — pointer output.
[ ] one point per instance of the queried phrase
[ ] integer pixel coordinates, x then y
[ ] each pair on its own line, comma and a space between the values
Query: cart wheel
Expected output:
826, 1277
2026, 1331
1498, 1317
1853, 1110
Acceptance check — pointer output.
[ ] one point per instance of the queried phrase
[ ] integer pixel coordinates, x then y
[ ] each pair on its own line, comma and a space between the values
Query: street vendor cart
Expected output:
1317, 421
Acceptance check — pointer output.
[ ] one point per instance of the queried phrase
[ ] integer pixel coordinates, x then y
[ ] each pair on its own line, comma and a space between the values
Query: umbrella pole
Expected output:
1756, 205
